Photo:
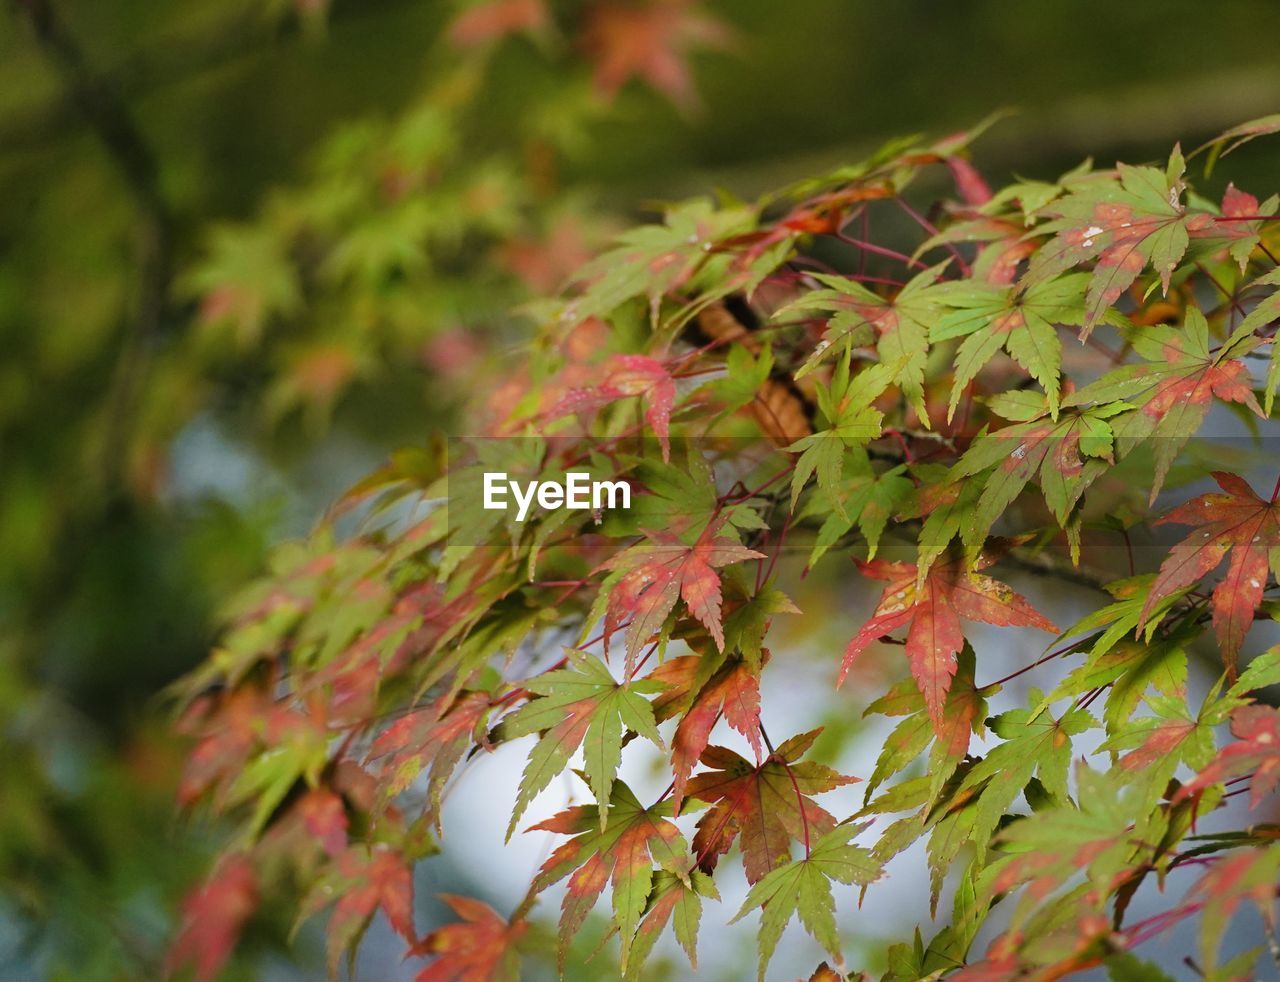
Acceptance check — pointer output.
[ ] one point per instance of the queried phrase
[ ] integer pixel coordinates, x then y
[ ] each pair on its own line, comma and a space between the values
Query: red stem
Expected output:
902, 257
795, 785
932, 229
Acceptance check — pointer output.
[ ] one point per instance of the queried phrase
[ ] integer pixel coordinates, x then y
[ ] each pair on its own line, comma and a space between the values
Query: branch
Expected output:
176, 59
109, 119
1046, 564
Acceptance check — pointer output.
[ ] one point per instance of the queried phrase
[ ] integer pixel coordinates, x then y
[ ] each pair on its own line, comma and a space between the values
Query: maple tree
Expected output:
773, 381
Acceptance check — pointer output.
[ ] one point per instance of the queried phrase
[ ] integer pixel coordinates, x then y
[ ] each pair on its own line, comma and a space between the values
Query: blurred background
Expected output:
249, 248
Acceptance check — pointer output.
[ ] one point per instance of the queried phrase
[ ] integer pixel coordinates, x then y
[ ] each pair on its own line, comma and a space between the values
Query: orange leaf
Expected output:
934, 610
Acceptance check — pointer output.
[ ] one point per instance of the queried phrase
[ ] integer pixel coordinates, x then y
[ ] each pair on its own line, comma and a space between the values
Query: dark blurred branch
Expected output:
108, 117
1047, 564
176, 59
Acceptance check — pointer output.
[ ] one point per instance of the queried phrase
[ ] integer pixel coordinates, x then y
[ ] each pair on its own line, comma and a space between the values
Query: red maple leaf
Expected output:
951, 591
324, 816
479, 949
212, 917
1228, 380
971, 185
496, 19
628, 375
434, 736
1255, 751
769, 805
661, 569
649, 41
366, 881
733, 692
1238, 522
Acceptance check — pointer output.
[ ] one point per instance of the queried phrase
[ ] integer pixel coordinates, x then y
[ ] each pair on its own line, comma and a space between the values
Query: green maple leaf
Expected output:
1106, 836
654, 260
745, 628
846, 405
898, 326
1034, 745
1167, 397
746, 373
580, 705
1123, 617
1124, 224
675, 900
1021, 320
1263, 314
623, 852
963, 715
1127, 669
1063, 457
1155, 746
863, 498
803, 888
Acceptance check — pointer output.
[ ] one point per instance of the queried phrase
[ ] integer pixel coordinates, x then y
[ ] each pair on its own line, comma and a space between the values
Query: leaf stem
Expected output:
932, 229
795, 786
871, 247
1035, 664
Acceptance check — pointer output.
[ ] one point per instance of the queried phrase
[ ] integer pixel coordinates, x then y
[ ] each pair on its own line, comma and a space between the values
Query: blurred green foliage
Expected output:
300, 227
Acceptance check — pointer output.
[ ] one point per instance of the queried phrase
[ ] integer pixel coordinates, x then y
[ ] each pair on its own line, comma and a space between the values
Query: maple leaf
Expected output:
654, 573
865, 498
1021, 320
898, 326
324, 816
746, 627
803, 888
1033, 744
434, 736
624, 851
1064, 457
1166, 399
971, 185
1236, 521
1125, 224
847, 405
649, 41
1238, 136
1157, 745
492, 20
963, 715
1259, 321
482, 948
675, 899
1098, 837
655, 261
581, 705
1256, 751
768, 805
1242, 236
212, 917
1250, 875
933, 609
363, 881
626, 376
702, 690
